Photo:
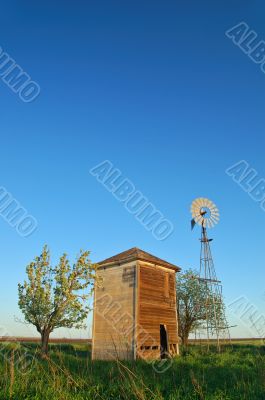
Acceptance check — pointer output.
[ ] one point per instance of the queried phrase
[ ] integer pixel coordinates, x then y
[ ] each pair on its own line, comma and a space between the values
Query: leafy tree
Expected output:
195, 305
56, 297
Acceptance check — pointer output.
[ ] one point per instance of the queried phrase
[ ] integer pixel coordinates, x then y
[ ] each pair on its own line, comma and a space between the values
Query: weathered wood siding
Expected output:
114, 313
156, 306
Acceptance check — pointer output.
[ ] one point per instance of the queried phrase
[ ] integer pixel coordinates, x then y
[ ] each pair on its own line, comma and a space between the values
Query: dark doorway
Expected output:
163, 342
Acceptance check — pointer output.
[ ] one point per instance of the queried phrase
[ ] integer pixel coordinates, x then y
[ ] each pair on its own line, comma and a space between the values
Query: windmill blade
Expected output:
214, 206
214, 223
208, 223
211, 224
209, 203
195, 207
195, 216
198, 203
196, 212
215, 219
215, 212
200, 221
201, 202
198, 216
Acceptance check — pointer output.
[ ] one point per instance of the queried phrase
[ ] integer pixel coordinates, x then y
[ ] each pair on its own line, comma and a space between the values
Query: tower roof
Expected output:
137, 254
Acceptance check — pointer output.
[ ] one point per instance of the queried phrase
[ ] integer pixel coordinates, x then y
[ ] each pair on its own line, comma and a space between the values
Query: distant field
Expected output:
37, 340
236, 374
256, 341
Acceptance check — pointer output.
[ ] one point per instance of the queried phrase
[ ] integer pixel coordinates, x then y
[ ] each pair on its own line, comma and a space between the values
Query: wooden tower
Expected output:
135, 313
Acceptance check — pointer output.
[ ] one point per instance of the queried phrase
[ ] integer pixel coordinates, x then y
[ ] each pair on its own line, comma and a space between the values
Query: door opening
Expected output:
163, 342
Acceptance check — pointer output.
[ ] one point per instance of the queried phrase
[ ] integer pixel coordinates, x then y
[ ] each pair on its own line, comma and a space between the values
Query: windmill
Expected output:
205, 213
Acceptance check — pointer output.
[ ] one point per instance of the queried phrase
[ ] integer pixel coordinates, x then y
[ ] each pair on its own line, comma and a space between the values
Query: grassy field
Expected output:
236, 374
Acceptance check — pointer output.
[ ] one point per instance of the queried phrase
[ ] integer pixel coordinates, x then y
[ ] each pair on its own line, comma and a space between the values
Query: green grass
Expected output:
236, 374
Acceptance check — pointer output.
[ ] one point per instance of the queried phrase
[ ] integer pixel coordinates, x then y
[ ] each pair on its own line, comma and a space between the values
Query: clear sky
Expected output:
156, 88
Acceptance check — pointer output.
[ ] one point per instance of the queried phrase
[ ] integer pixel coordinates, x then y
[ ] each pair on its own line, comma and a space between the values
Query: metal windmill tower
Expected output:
205, 213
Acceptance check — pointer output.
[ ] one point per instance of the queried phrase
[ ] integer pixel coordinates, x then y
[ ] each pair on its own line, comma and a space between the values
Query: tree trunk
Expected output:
185, 340
185, 336
45, 343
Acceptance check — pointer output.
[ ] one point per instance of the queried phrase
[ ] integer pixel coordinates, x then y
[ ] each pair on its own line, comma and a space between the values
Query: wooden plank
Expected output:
157, 305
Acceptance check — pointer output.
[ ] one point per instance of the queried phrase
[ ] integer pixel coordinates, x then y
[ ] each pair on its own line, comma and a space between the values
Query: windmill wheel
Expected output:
205, 213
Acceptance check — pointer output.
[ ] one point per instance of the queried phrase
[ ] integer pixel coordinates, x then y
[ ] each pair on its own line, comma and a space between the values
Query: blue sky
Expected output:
159, 90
